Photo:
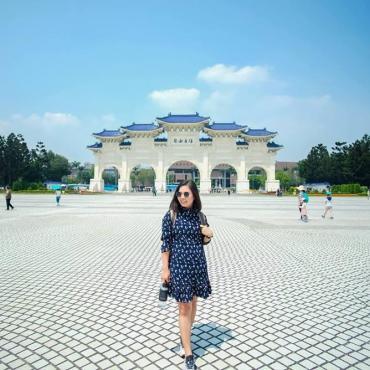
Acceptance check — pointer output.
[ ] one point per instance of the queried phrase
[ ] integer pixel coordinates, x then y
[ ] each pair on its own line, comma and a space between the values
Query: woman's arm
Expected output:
165, 275
166, 246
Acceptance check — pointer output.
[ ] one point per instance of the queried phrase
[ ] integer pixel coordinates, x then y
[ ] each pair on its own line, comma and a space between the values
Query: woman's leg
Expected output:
193, 310
185, 317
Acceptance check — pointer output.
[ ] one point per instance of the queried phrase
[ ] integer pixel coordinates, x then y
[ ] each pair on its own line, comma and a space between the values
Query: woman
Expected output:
184, 264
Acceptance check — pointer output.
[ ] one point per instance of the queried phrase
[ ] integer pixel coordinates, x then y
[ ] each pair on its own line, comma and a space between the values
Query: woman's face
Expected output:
185, 196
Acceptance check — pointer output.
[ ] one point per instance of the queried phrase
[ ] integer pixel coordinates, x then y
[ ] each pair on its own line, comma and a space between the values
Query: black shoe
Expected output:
189, 363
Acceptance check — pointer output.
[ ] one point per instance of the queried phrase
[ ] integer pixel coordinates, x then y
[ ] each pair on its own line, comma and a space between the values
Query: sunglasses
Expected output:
186, 194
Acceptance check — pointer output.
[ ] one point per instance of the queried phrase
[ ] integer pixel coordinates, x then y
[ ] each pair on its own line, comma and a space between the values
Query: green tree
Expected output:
85, 175
315, 168
359, 160
58, 166
16, 157
284, 178
340, 171
2, 160
38, 164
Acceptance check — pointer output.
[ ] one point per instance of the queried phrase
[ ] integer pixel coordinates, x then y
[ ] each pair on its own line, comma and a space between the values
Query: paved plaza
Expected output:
79, 285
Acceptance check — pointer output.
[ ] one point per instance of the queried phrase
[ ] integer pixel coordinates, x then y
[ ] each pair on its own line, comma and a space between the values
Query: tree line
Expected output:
345, 164
29, 168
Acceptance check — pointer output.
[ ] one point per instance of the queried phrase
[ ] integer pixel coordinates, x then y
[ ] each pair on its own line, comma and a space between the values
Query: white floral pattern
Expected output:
188, 264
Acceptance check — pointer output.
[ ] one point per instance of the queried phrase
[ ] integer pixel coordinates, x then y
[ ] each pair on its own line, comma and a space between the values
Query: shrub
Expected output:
19, 184
347, 189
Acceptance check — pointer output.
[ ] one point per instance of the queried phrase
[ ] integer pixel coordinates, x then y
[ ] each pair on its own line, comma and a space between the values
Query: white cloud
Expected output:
109, 118
219, 73
48, 119
286, 101
218, 104
175, 99
59, 118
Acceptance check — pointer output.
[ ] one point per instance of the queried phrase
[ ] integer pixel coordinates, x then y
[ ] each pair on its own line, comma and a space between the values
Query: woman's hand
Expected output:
206, 231
165, 275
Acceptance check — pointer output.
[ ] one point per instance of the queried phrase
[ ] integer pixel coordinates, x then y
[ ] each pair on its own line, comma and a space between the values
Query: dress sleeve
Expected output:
166, 233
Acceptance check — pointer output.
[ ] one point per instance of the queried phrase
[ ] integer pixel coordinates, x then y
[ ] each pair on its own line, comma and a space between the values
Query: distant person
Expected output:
228, 191
154, 191
303, 200
58, 195
8, 197
328, 207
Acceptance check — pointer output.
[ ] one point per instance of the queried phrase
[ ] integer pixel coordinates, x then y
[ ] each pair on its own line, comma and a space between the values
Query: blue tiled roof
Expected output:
108, 133
259, 132
273, 145
183, 118
225, 126
125, 143
141, 127
96, 145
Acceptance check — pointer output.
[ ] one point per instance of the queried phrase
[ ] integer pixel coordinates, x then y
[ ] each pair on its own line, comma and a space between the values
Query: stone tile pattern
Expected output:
79, 285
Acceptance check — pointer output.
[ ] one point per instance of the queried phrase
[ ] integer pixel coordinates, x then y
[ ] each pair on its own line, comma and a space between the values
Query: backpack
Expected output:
305, 197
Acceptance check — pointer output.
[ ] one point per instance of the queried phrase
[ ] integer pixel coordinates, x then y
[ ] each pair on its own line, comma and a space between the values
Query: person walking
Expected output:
302, 202
58, 195
8, 198
328, 207
184, 267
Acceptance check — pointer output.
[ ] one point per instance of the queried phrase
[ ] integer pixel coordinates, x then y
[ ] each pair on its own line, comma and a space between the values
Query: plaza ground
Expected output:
79, 285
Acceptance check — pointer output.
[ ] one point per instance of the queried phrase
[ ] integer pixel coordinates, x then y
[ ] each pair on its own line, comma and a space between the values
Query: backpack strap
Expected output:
203, 221
202, 218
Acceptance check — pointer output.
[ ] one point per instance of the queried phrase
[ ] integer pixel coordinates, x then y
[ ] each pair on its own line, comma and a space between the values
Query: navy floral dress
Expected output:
188, 265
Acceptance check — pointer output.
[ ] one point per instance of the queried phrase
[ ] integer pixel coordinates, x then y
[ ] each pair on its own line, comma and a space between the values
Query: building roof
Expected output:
95, 146
286, 165
259, 132
225, 126
140, 127
108, 133
272, 144
183, 118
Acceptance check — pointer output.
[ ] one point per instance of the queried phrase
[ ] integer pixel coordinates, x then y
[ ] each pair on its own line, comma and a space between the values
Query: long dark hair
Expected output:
175, 205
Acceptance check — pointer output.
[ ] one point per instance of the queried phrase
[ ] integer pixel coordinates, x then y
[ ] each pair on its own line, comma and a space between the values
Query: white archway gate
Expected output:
185, 138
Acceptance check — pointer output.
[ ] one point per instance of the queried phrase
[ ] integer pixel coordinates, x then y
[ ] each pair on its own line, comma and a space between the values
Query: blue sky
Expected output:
70, 68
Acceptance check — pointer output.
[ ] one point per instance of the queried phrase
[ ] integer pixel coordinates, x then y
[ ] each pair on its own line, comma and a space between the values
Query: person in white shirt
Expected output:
328, 207
58, 195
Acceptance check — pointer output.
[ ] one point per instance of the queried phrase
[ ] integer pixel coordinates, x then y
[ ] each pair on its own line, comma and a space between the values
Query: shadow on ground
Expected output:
206, 336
